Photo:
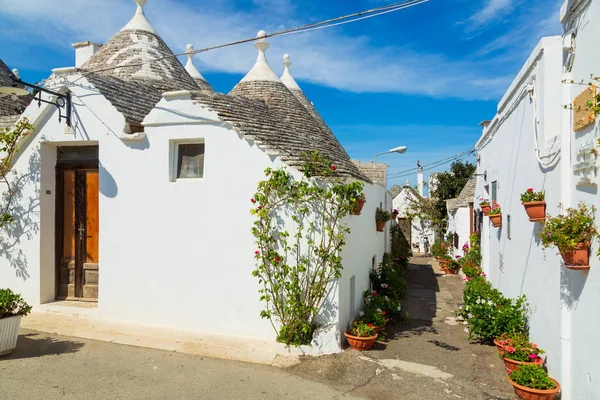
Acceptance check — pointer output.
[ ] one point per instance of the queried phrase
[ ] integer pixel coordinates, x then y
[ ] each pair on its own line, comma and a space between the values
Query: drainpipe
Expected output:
565, 185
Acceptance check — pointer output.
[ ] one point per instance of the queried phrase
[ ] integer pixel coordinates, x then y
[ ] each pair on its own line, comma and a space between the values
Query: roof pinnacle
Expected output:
261, 70
189, 66
139, 20
287, 78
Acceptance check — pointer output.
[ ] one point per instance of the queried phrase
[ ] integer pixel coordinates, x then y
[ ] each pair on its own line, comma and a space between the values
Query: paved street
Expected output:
426, 358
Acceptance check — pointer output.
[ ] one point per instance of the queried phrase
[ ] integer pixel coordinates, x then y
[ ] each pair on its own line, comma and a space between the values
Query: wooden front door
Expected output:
77, 232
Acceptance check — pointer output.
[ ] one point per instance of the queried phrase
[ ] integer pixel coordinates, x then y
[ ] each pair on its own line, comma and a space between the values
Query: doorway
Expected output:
77, 223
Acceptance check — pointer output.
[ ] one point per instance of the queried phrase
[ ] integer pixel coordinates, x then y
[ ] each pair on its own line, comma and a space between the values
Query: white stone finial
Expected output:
139, 21
287, 78
261, 70
16, 73
189, 66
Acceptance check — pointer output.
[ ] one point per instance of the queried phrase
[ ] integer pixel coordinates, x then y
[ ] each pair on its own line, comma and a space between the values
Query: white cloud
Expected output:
494, 10
323, 57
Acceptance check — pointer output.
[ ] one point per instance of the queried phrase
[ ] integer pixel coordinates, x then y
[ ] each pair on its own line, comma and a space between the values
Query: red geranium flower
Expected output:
257, 252
333, 167
383, 313
530, 190
260, 207
374, 293
276, 259
370, 325
253, 201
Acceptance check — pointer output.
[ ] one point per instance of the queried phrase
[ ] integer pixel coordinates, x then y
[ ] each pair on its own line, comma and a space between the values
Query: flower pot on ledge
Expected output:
513, 365
360, 203
526, 393
380, 226
536, 210
578, 258
496, 219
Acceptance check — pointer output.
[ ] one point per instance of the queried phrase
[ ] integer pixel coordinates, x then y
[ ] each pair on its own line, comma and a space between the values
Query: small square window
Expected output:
190, 160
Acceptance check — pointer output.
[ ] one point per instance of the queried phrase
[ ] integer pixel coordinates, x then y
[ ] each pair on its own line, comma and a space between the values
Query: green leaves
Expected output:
12, 304
565, 231
532, 376
299, 230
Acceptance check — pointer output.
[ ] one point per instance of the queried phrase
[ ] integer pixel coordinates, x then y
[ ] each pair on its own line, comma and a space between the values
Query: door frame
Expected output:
61, 166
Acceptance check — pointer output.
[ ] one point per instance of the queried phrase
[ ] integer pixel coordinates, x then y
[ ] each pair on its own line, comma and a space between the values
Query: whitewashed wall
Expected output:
420, 229
564, 315
459, 221
172, 254
580, 291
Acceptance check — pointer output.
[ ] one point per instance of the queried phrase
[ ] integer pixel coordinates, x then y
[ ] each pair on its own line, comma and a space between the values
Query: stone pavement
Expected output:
428, 357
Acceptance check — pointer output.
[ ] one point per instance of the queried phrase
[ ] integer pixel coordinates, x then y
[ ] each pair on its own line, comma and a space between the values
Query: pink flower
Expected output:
256, 252
260, 207
530, 190
483, 274
374, 293
384, 285
533, 356
457, 257
534, 345
510, 349
253, 201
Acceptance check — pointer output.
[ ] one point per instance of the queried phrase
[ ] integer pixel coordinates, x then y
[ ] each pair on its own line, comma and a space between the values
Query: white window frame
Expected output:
174, 158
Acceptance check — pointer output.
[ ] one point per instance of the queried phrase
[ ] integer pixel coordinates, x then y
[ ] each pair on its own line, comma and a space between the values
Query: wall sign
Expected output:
583, 114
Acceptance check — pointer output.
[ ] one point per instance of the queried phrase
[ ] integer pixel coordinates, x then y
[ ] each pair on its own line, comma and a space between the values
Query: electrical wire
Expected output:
346, 19
434, 164
427, 169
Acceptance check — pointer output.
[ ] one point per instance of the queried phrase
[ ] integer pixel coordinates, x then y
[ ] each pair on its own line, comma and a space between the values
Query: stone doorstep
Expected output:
223, 347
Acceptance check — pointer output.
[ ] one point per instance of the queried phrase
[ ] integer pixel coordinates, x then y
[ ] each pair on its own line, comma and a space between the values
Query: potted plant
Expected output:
572, 233
452, 267
381, 217
358, 203
532, 383
485, 206
12, 309
518, 351
495, 215
395, 213
361, 336
535, 204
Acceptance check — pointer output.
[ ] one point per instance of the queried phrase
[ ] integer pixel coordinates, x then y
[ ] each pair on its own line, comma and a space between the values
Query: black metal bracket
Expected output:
62, 100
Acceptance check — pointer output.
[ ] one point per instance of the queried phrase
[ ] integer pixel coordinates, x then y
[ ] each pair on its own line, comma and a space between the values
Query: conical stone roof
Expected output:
299, 130
9, 106
136, 65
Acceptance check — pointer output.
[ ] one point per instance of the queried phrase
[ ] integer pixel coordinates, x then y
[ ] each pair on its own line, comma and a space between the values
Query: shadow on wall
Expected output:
25, 212
571, 285
108, 185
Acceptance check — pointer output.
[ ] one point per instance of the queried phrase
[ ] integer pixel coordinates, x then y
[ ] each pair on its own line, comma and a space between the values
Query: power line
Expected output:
432, 165
346, 19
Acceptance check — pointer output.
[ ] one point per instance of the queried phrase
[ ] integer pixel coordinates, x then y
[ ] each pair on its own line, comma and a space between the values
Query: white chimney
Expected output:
420, 179
83, 52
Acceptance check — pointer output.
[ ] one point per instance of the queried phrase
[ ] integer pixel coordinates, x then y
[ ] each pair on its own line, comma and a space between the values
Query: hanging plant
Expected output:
300, 232
572, 233
495, 215
535, 204
381, 217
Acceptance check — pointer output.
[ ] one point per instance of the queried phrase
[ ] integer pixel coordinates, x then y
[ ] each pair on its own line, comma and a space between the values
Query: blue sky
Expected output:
423, 77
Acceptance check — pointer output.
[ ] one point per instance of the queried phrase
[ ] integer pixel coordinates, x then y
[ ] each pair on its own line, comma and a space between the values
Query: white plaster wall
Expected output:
420, 229
362, 245
459, 222
518, 265
581, 290
172, 254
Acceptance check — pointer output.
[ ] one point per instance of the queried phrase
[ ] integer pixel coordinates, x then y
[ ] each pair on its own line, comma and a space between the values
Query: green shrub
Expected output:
532, 376
488, 313
12, 304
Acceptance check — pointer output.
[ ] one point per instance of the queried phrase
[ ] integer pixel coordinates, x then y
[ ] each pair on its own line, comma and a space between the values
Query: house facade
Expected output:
537, 140
142, 205
462, 219
415, 229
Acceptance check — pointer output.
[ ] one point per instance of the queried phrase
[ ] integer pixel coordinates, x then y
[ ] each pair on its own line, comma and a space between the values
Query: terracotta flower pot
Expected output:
360, 343
486, 209
449, 271
496, 219
498, 345
526, 393
578, 258
536, 210
512, 365
380, 226
359, 206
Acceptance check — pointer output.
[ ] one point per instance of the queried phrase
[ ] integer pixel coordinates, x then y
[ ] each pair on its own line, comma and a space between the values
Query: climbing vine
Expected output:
300, 231
9, 140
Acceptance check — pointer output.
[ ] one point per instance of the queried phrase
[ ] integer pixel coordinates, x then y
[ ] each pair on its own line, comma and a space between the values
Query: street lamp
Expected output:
400, 150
